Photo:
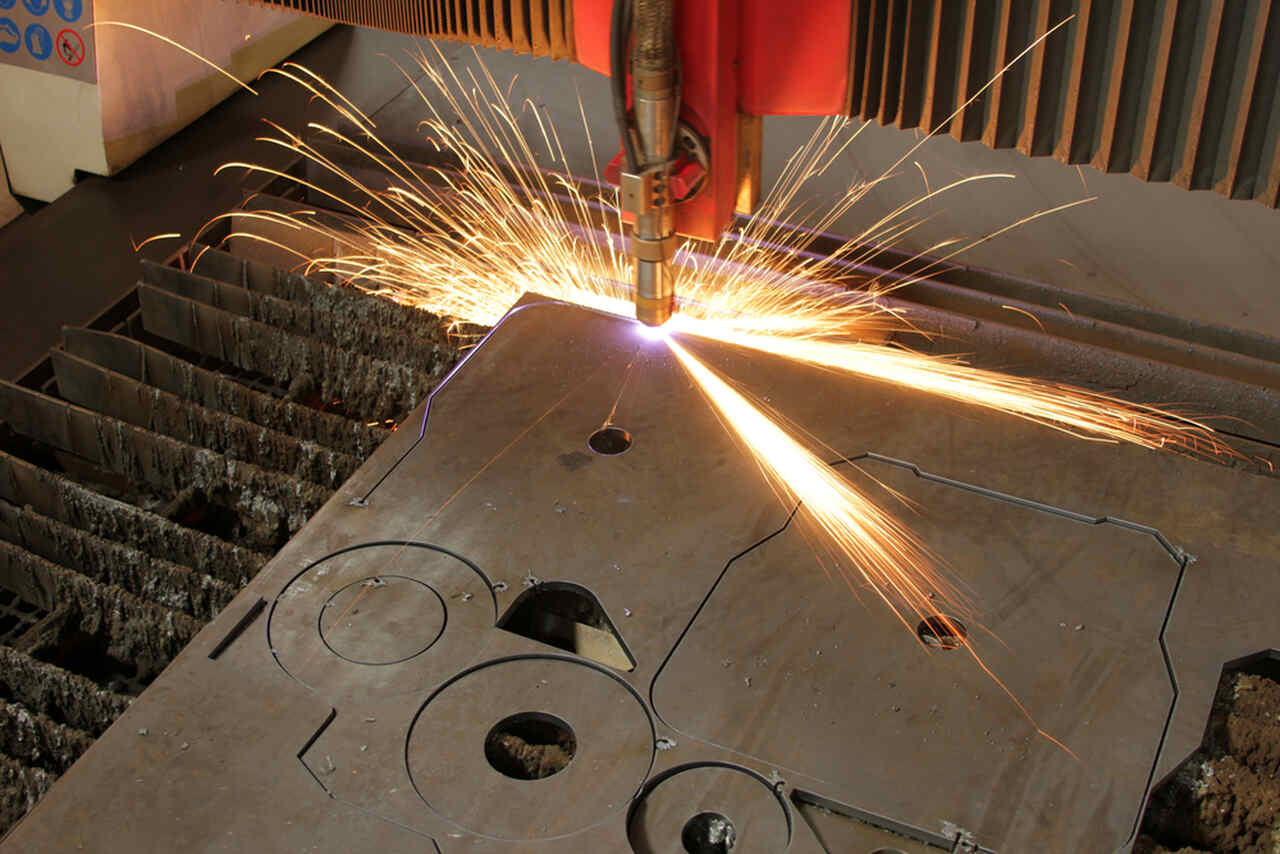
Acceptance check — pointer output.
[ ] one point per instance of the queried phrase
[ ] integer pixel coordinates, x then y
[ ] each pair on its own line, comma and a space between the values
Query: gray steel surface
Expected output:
350, 709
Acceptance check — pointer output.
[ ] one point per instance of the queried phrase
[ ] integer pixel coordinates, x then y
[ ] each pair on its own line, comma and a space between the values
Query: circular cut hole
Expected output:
609, 441
382, 619
530, 746
708, 833
942, 632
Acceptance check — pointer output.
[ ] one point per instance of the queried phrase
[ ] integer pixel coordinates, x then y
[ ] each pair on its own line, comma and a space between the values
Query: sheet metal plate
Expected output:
371, 739
829, 683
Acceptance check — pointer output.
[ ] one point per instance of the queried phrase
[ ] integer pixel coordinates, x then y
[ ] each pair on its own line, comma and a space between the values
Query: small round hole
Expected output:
609, 441
530, 746
942, 632
708, 833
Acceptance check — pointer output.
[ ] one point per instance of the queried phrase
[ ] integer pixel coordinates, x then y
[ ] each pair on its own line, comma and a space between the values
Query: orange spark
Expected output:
172, 235
893, 562
878, 548
466, 238
1078, 412
1027, 313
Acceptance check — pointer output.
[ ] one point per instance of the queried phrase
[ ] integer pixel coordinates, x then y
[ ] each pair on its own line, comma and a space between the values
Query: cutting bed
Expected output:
558, 609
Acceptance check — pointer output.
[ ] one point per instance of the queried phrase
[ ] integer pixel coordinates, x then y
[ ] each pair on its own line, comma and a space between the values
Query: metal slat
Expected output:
94, 387
37, 740
1030, 132
1169, 90
269, 505
976, 69
130, 629
1194, 170
157, 580
377, 390
943, 70
343, 318
873, 71
918, 52
64, 696
541, 28
20, 787
1112, 122
215, 391
68, 502
1257, 100
1164, 144
556, 17
1009, 93
540, 42
895, 47
1048, 81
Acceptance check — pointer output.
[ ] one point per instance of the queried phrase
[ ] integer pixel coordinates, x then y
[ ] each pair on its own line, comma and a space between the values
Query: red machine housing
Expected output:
752, 57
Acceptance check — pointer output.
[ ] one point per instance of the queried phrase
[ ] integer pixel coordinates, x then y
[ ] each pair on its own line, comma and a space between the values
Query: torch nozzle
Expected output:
654, 305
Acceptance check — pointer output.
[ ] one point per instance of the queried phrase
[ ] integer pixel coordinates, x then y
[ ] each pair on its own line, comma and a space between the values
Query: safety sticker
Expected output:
51, 36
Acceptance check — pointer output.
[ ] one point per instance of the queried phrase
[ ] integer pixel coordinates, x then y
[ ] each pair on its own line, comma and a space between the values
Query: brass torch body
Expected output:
655, 102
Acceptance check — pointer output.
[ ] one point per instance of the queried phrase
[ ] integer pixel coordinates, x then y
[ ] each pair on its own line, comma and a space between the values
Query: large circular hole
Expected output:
942, 632
708, 833
609, 441
530, 746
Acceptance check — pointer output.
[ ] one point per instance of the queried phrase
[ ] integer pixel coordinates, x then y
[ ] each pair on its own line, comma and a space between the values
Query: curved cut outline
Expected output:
581, 662
528, 301
572, 587
405, 543
653, 783
324, 639
1176, 553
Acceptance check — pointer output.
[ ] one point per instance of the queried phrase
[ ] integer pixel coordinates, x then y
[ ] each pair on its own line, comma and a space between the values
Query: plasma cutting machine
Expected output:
1154, 89
535, 676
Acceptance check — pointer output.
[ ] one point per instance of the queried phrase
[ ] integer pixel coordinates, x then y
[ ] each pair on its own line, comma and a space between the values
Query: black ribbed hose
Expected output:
619, 36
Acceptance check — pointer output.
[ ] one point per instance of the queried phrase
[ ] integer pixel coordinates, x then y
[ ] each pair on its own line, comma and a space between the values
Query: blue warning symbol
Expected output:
36, 7
39, 42
10, 36
68, 10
